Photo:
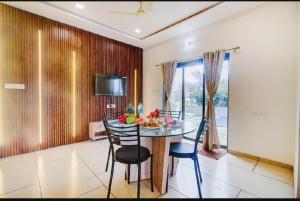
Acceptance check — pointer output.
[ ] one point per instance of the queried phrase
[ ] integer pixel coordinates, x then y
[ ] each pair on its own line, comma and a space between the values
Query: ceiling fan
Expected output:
143, 8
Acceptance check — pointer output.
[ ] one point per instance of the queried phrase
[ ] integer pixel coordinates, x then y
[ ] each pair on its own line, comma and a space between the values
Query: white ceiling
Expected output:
160, 15
96, 17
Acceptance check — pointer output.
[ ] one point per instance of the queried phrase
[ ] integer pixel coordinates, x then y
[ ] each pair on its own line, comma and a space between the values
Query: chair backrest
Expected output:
173, 114
124, 136
111, 116
202, 128
114, 115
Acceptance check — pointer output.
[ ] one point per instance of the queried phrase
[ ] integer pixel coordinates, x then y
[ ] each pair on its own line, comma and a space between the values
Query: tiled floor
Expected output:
77, 170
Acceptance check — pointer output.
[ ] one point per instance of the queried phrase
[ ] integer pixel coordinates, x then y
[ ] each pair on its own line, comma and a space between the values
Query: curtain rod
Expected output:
226, 50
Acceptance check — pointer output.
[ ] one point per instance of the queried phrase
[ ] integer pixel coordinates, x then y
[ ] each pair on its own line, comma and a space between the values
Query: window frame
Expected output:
192, 62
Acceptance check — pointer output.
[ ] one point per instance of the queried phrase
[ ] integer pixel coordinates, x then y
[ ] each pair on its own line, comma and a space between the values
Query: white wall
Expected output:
262, 76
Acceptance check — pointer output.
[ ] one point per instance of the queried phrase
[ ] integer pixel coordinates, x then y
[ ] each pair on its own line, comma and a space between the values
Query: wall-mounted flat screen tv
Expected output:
106, 85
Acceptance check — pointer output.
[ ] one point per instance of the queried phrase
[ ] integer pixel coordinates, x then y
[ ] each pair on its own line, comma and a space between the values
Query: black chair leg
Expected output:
128, 177
172, 171
151, 173
197, 161
108, 159
111, 177
167, 180
198, 183
139, 179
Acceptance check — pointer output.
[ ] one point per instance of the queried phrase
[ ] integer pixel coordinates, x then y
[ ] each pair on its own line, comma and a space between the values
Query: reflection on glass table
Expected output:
181, 128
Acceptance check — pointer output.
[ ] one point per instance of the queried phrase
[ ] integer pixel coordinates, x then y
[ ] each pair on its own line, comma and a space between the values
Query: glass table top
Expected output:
182, 128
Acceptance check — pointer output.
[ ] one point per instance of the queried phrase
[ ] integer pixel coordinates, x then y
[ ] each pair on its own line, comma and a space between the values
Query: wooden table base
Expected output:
160, 151
160, 148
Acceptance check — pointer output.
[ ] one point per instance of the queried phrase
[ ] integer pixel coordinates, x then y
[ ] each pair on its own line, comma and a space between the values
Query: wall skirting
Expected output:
272, 162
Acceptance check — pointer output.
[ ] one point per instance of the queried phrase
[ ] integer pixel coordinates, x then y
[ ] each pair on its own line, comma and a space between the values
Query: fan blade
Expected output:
147, 5
122, 13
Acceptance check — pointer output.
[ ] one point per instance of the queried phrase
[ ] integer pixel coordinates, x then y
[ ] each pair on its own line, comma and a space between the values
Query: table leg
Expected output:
160, 151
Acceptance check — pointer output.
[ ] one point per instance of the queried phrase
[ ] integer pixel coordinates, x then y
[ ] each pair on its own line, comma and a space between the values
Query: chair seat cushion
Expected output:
129, 154
181, 150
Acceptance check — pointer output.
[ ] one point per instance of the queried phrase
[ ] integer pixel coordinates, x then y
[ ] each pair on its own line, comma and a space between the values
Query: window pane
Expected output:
193, 88
221, 105
193, 77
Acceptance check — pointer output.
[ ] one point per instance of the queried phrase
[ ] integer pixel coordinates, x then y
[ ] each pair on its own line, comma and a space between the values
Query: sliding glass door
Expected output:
188, 95
193, 96
221, 105
176, 94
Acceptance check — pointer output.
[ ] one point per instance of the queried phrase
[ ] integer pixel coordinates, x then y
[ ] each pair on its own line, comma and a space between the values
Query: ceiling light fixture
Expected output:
137, 31
78, 5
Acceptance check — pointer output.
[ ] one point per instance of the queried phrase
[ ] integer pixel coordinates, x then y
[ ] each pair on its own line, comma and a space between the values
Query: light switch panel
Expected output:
110, 106
14, 86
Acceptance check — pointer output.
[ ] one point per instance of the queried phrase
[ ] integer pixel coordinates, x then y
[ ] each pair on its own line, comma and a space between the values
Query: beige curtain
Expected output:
168, 71
213, 62
297, 163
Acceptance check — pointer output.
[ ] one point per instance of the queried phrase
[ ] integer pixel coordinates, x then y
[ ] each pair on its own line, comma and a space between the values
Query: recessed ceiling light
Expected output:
78, 5
137, 31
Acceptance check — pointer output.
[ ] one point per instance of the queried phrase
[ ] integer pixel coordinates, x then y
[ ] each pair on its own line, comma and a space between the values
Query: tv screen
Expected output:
110, 85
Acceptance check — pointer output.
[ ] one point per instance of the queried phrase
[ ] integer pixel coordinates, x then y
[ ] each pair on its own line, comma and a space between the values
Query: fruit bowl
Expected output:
152, 124
128, 119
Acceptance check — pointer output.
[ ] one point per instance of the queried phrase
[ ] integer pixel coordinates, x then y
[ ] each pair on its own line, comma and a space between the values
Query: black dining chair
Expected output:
130, 152
186, 150
173, 114
111, 116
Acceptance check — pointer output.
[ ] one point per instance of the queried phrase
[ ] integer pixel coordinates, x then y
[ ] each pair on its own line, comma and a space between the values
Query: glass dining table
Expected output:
180, 128
160, 145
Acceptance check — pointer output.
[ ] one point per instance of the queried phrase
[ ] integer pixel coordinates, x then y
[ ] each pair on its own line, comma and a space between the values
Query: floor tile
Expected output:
78, 170
26, 192
147, 182
103, 142
99, 167
55, 154
239, 161
119, 168
68, 170
100, 192
244, 194
276, 172
17, 172
185, 182
203, 160
90, 152
172, 193
66, 178
69, 189
121, 189
249, 181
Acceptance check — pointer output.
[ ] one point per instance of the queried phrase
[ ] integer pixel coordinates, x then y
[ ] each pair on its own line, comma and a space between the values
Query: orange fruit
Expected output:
136, 120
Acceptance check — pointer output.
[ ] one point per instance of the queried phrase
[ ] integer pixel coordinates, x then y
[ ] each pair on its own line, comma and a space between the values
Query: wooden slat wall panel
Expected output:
19, 119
